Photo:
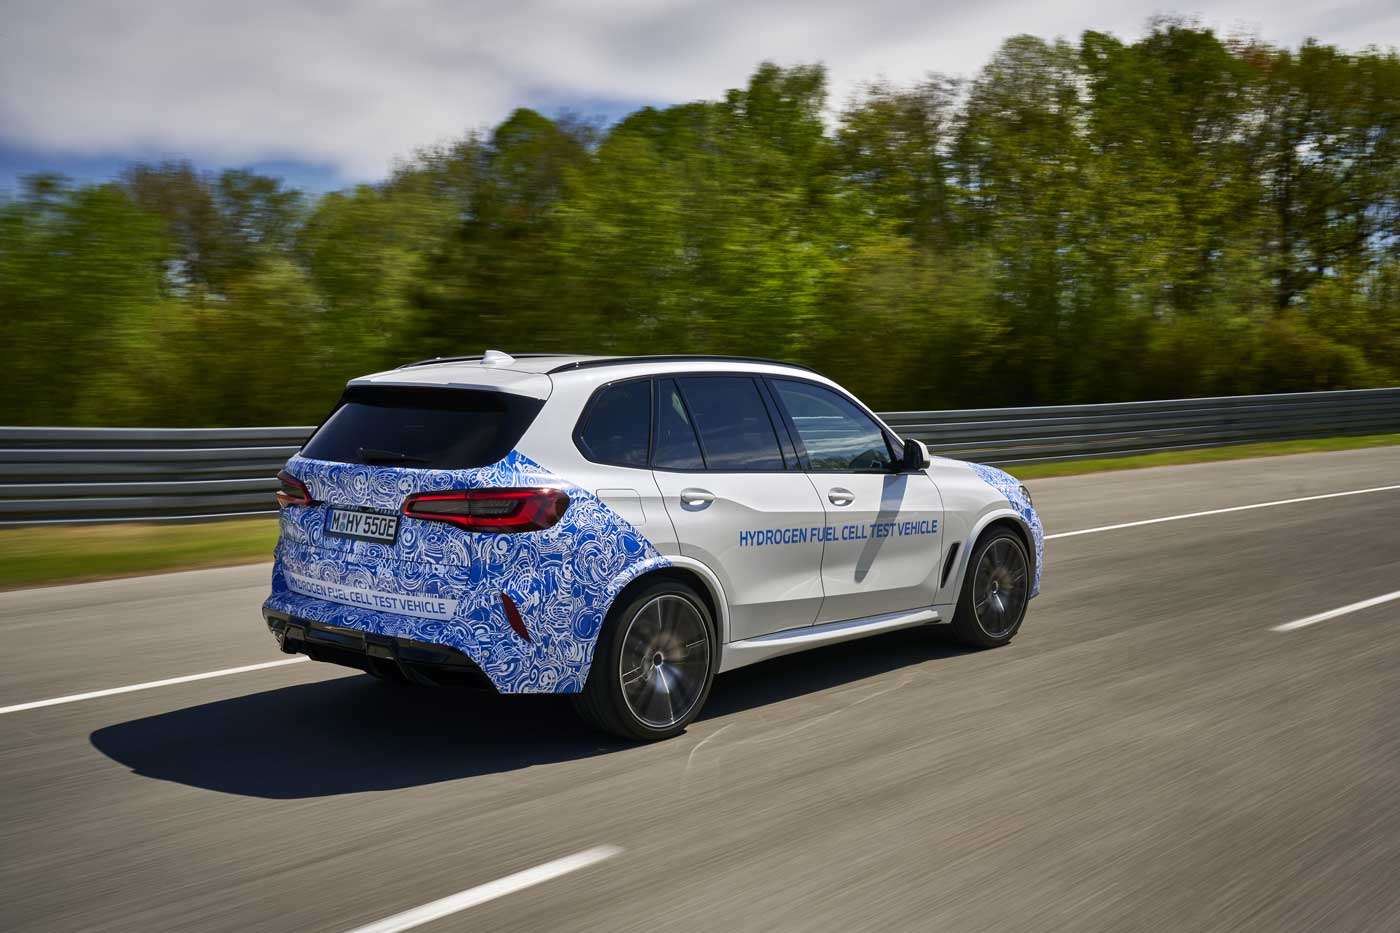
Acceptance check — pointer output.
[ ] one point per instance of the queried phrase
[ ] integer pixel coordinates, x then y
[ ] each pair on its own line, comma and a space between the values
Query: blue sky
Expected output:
327, 94
17, 161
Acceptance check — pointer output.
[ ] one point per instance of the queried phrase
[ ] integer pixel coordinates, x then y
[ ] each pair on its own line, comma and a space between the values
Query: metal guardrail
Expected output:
154, 474
147, 474
1007, 436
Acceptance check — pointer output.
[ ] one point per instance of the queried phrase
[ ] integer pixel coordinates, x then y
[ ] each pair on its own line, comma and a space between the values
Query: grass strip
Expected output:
47, 554
1200, 455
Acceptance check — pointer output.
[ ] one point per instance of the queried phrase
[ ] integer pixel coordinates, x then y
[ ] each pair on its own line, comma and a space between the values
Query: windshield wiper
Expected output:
373, 456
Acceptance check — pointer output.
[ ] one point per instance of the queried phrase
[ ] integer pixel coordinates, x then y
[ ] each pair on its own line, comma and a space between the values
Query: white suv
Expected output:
624, 528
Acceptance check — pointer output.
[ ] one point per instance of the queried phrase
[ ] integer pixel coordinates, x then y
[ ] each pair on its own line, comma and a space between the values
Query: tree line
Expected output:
1095, 221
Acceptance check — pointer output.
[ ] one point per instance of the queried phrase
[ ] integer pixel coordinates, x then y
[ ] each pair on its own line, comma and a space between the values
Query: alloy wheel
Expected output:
665, 660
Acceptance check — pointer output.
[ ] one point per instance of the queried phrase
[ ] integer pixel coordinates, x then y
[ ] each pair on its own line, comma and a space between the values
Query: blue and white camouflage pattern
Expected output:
1010, 487
563, 579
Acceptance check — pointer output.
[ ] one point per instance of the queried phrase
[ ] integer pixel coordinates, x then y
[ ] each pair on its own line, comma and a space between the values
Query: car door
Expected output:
738, 500
882, 542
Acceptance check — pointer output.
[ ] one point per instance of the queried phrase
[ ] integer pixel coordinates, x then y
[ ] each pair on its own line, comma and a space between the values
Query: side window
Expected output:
676, 447
735, 430
618, 426
839, 437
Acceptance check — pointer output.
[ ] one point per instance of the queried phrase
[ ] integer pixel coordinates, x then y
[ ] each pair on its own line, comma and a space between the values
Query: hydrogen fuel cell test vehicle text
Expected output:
622, 529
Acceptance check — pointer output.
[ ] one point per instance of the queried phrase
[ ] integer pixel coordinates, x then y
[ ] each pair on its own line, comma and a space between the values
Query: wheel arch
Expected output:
692, 573
1000, 518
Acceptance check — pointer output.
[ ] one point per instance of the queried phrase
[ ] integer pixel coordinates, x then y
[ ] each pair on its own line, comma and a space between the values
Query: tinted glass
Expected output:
446, 429
839, 437
619, 425
735, 431
676, 446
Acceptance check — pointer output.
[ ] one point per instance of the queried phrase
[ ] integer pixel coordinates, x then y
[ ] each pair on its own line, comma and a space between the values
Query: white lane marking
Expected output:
1063, 534
1233, 508
1333, 613
489, 891
150, 685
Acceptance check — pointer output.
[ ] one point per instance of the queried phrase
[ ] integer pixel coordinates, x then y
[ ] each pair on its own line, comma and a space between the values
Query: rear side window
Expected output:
676, 446
839, 437
441, 429
732, 421
618, 427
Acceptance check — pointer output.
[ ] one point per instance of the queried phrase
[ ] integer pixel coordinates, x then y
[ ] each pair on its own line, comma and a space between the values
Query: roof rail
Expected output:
467, 359
671, 358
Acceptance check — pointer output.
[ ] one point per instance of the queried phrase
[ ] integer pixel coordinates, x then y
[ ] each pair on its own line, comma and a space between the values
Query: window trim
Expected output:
893, 444
804, 462
689, 419
784, 429
786, 444
791, 459
756, 379
586, 415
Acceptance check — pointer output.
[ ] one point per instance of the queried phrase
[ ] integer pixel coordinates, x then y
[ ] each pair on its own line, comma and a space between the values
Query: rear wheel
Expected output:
653, 664
994, 595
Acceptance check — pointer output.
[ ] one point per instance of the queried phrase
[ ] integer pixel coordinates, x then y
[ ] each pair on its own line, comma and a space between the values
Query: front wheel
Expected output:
653, 664
994, 595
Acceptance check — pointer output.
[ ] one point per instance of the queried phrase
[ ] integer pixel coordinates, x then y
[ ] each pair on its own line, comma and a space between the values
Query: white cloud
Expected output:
356, 84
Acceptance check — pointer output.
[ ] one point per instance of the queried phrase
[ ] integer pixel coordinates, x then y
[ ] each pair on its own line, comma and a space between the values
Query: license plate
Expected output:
364, 526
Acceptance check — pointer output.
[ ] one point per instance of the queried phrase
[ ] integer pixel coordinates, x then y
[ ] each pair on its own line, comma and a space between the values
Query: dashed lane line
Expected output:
482, 893
151, 685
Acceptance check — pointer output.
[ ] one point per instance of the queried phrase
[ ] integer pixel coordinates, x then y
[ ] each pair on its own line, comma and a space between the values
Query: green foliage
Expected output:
1084, 221
79, 269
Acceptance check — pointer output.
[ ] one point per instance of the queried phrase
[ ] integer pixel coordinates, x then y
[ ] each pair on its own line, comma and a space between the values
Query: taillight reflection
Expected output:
292, 491
499, 511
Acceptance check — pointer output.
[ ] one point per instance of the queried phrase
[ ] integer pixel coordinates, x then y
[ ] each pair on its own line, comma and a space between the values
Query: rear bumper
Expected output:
384, 655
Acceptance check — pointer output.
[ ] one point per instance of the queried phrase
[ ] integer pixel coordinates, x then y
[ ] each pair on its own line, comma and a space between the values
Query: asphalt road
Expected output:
1149, 754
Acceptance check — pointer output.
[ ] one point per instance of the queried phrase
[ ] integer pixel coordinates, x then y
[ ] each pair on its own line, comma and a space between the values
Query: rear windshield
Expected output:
440, 429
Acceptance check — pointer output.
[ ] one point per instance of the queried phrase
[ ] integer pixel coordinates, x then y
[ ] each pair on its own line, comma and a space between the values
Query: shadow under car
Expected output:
348, 735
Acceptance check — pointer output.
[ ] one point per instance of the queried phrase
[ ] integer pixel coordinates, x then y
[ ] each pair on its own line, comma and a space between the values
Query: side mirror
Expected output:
915, 457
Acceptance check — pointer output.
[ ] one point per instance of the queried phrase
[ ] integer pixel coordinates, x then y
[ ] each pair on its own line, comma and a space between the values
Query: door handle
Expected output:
839, 496
693, 498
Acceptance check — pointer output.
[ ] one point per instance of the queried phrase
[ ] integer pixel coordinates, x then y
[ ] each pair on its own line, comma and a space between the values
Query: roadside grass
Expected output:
49, 554
1202, 455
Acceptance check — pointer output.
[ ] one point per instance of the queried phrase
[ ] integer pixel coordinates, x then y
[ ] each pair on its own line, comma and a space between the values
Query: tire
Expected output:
653, 665
995, 592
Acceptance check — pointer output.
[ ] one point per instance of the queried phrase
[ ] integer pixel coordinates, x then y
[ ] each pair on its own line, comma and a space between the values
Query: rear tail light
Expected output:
292, 491
498, 511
